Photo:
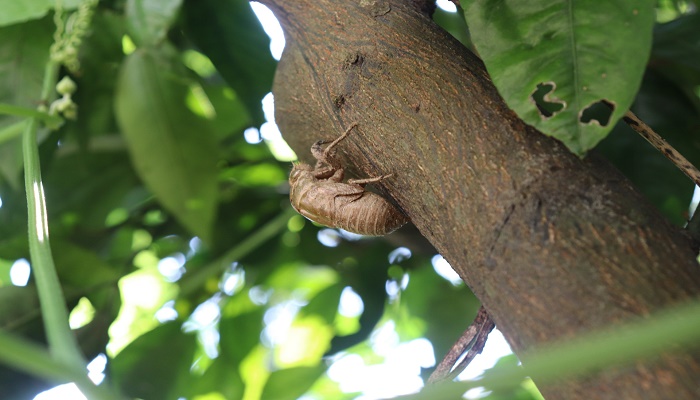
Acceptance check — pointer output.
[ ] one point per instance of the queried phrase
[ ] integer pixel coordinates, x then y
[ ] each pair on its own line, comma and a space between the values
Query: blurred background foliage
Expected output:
185, 269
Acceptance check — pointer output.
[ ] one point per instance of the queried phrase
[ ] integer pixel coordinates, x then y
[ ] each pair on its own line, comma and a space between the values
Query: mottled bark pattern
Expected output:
552, 245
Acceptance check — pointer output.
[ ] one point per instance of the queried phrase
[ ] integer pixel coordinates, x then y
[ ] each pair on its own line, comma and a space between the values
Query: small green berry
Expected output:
66, 86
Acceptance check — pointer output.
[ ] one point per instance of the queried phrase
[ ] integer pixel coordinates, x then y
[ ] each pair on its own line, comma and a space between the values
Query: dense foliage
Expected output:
171, 230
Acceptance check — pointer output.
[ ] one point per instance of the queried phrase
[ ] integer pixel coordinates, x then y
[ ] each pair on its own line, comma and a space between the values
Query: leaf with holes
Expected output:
563, 65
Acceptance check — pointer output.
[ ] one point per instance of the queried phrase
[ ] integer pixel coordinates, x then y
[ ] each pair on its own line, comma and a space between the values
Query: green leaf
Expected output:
148, 21
679, 41
223, 377
173, 151
240, 334
82, 269
291, 383
570, 57
325, 303
228, 32
90, 186
24, 51
435, 301
19, 306
101, 54
156, 365
14, 11
232, 115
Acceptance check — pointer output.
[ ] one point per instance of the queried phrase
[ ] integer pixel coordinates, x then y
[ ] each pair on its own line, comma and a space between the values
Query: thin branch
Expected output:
672, 154
471, 342
660, 144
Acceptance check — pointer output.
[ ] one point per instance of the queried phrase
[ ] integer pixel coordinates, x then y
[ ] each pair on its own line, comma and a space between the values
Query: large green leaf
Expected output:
14, 11
173, 150
148, 20
222, 377
240, 334
573, 56
156, 365
291, 383
229, 34
90, 186
679, 41
24, 51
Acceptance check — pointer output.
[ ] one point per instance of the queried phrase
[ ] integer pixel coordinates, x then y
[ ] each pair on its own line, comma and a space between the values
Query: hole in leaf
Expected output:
597, 113
546, 104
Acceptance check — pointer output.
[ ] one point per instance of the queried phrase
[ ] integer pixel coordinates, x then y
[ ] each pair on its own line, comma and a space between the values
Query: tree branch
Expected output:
552, 245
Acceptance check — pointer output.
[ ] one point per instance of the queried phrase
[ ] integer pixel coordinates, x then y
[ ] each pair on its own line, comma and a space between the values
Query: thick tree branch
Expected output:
552, 245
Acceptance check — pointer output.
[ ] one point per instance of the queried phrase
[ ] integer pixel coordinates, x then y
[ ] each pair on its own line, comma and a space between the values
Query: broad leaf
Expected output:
678, 40
240, 334
291, 383
173, 150
148, 20
24, 51
14, 11
231, 36
558, 63
222, 377
90, 186
155, 365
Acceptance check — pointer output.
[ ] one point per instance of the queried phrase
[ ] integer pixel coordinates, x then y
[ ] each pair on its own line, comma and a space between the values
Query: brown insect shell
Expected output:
335, 204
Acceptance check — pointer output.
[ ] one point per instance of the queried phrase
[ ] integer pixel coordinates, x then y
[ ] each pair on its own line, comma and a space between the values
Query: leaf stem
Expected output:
11, 109
62, 343
68, 361
197, 278
674, 156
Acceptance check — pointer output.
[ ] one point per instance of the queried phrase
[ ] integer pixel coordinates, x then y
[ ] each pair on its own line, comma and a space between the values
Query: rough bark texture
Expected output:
552, 245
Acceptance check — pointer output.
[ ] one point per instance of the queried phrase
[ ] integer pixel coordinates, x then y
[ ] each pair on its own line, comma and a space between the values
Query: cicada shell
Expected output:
320, 195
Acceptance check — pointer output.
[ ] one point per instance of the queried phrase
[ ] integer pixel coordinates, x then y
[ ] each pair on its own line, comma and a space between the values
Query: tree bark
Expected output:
552, 245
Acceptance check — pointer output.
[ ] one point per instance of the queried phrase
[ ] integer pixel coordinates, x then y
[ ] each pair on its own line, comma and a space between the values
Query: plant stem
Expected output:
62, 343
197, 278
11, 109
29, 357
12, 131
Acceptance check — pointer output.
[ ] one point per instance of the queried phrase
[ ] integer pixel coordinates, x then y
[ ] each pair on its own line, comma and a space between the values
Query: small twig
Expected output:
660, 144
471, 342
672, 154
